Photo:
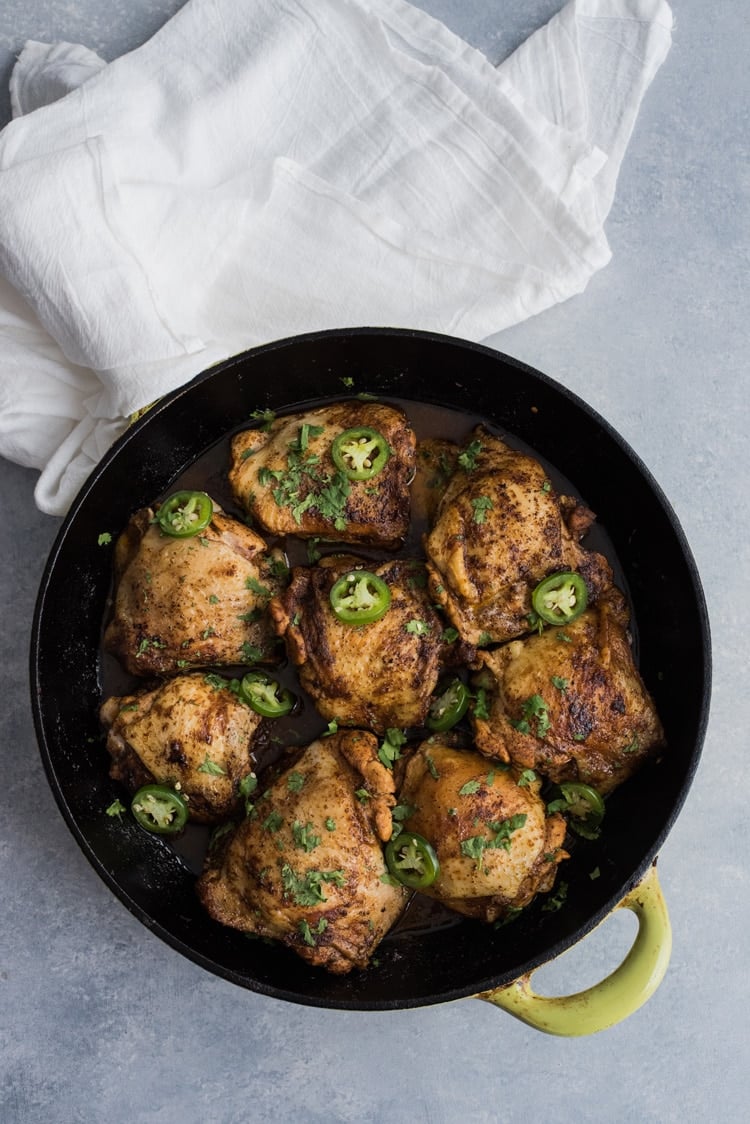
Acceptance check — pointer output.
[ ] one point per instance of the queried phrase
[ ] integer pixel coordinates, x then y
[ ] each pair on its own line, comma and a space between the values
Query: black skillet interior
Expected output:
414, 967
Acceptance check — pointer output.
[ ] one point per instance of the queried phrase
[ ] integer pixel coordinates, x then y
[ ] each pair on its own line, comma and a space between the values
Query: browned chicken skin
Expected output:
500, 528
570, 702
285, 478
191, 733
496, 846
306, 868
377, 675
190, 602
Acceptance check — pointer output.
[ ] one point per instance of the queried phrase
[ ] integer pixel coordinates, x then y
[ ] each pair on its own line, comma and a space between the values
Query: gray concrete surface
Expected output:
101, 1022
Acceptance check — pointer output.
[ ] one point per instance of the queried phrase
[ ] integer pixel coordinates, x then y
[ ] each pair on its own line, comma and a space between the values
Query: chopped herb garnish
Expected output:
534, 709
330, 824
418, 628
481, 505
634, 745
450, 635
116, 808
104, 539
432, 768
475, 846
558, 899
527, 777
307, 889
273, 822
332, 728
469, 788
304, 836
308, 934
295, 781
480, 708
250, 653
468, 458
255, 586
560, 683
390, 748
212, 768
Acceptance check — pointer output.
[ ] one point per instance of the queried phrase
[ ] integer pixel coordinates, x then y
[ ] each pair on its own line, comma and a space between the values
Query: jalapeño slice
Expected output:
582, 803
184, 514
560, 598
412, 860
360, 453
265, 695
360, 597
449, 707
159, 809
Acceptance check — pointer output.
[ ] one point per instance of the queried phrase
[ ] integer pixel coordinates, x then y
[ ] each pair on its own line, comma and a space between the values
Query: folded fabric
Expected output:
269, 167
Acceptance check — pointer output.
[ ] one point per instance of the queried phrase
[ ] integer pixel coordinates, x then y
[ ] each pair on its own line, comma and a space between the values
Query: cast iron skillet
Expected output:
414, 967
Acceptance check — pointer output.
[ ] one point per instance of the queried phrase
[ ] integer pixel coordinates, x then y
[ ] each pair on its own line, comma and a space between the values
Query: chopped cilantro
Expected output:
116, 808
307, 889
330, 824
212, 768
390, 748
475, 846
450, 635
255, 586
273, 822
558, 899
432, 768
468, 458
481, 505
418, 628
533, 709
295, 781
104, 539
527, 777
308, 934
560, 683
304, 836
469, 788
480, 708
250, 653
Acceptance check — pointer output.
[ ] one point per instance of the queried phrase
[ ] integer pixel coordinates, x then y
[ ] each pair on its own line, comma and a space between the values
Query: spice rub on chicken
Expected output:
192, 733
500, 528
569, 701
198, 600
367, 643
341, 471
306, 867
495, 844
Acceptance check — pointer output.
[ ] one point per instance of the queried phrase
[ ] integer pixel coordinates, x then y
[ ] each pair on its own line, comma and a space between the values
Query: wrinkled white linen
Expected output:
268, 167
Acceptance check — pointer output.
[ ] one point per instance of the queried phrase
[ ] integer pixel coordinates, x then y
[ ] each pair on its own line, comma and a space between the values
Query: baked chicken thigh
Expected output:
496, 846
377, 674
191, 602
192, 733
569, 702
306, 867
501, 528
341, 471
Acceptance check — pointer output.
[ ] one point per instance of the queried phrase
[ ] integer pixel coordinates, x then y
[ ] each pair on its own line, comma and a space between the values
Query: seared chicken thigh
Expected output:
191, 602
569, 702
192, 733
495, 843
379, 674
341, 471
307, 868
500, 528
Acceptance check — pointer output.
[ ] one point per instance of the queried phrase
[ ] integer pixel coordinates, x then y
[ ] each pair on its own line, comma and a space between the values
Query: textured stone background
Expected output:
102, 1022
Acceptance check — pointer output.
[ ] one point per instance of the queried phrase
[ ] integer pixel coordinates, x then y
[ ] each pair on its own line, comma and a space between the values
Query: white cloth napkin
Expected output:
266, 167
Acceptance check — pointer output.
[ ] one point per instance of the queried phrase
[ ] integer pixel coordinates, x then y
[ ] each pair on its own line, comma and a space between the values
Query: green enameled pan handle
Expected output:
615, 997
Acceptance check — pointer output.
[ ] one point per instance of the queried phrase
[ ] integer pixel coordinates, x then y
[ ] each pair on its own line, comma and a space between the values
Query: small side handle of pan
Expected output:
617, 996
